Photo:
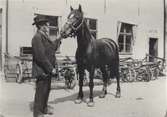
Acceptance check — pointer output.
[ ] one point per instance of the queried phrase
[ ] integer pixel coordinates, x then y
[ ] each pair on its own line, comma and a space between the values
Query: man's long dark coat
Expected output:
43, 51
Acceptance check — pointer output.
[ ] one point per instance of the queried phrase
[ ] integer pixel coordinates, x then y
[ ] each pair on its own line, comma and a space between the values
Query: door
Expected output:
153, 48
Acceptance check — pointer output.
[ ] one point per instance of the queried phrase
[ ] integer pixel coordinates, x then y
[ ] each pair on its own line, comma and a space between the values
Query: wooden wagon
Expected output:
18, 68
141, 70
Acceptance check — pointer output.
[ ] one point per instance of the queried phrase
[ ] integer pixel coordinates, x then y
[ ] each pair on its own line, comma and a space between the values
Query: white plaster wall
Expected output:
3, 6
147, 15
150, 24
20, 28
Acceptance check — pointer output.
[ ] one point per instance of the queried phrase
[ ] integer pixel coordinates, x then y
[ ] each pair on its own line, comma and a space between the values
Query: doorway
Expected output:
153, 48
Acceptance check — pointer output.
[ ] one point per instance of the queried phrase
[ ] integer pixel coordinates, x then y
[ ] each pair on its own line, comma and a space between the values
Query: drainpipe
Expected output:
164, 29
7, 8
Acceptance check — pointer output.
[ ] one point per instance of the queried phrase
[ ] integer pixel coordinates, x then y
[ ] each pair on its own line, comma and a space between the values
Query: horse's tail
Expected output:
116, 49
117, 74
114, 68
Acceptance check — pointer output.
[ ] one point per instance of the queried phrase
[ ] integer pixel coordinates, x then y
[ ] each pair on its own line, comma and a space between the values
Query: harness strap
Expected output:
75, 29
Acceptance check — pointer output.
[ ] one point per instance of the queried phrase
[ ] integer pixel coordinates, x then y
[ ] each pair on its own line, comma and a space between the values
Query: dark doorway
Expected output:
153, 48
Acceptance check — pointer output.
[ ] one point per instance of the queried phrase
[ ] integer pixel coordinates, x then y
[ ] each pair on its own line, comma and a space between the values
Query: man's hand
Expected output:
54, 71
58, 37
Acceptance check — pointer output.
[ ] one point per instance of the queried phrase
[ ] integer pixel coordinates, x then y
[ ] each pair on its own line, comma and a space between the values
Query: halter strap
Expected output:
75, 29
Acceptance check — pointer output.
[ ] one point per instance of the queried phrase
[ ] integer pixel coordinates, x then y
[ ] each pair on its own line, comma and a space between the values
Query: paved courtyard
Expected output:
139, 99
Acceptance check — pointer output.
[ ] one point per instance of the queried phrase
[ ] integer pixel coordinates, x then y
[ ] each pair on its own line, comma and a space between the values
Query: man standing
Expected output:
43, 51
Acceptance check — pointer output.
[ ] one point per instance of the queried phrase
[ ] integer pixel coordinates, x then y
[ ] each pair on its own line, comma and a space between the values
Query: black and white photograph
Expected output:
83, 58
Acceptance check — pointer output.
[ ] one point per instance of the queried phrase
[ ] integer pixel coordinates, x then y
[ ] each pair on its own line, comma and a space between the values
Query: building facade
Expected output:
136, 25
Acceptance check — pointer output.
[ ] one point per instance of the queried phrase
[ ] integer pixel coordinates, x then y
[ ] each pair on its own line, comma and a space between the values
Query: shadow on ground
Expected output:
74, 96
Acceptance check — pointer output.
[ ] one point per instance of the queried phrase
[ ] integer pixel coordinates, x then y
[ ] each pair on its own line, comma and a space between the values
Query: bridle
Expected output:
74, 29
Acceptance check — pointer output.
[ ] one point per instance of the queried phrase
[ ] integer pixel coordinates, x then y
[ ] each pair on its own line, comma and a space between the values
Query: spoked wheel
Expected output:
140, 75
6, 70
143, 75
154, 74
131, 75
85, 79
147, 77
70, 79
70, 84
19, 77
123, 73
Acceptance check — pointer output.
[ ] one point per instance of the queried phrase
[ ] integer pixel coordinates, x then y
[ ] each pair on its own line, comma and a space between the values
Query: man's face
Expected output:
45, 28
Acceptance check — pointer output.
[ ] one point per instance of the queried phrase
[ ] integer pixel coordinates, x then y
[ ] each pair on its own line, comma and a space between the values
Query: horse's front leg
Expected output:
91, 85
80, 93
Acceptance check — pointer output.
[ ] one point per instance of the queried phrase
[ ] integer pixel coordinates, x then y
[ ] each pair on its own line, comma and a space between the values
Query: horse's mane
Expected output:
86, 34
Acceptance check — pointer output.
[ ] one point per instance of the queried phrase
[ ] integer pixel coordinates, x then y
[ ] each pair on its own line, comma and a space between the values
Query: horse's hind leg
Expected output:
116, 72
105, 80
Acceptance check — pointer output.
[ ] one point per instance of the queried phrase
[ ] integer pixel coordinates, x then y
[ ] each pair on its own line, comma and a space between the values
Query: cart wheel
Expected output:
6, 70
70, 84
131, 75
147, 76
70, 79
154, 74
123, 74
19, 77
140, 75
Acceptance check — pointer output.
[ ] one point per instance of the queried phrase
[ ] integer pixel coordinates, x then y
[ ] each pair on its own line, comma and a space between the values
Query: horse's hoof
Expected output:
78, 101
103, 95
118, 95
90, 104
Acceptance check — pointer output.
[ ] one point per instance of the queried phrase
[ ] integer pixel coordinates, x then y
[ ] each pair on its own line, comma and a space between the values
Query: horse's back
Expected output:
104, 51
107, 41
107, 44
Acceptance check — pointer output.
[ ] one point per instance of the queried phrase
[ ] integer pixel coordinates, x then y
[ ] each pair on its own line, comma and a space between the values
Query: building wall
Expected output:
146, 15
3, 46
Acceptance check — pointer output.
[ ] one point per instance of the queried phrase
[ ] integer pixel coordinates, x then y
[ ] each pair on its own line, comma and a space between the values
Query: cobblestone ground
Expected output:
138, 99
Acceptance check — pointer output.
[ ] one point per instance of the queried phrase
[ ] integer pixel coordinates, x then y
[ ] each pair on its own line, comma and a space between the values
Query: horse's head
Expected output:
74, 22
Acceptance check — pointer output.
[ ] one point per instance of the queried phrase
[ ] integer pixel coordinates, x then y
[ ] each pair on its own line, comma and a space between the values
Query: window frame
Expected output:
125, 34
96, 26
50, 26
53, 27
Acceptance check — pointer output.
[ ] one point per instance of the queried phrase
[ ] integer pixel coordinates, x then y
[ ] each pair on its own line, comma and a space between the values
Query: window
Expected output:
125, 38
25, 51
92, 24
53, 25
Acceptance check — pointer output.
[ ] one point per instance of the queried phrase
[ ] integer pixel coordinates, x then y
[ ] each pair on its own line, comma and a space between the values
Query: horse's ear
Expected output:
71, 8
80, 8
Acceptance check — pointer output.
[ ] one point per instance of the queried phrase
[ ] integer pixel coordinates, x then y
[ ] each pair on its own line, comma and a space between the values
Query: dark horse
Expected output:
92, 53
